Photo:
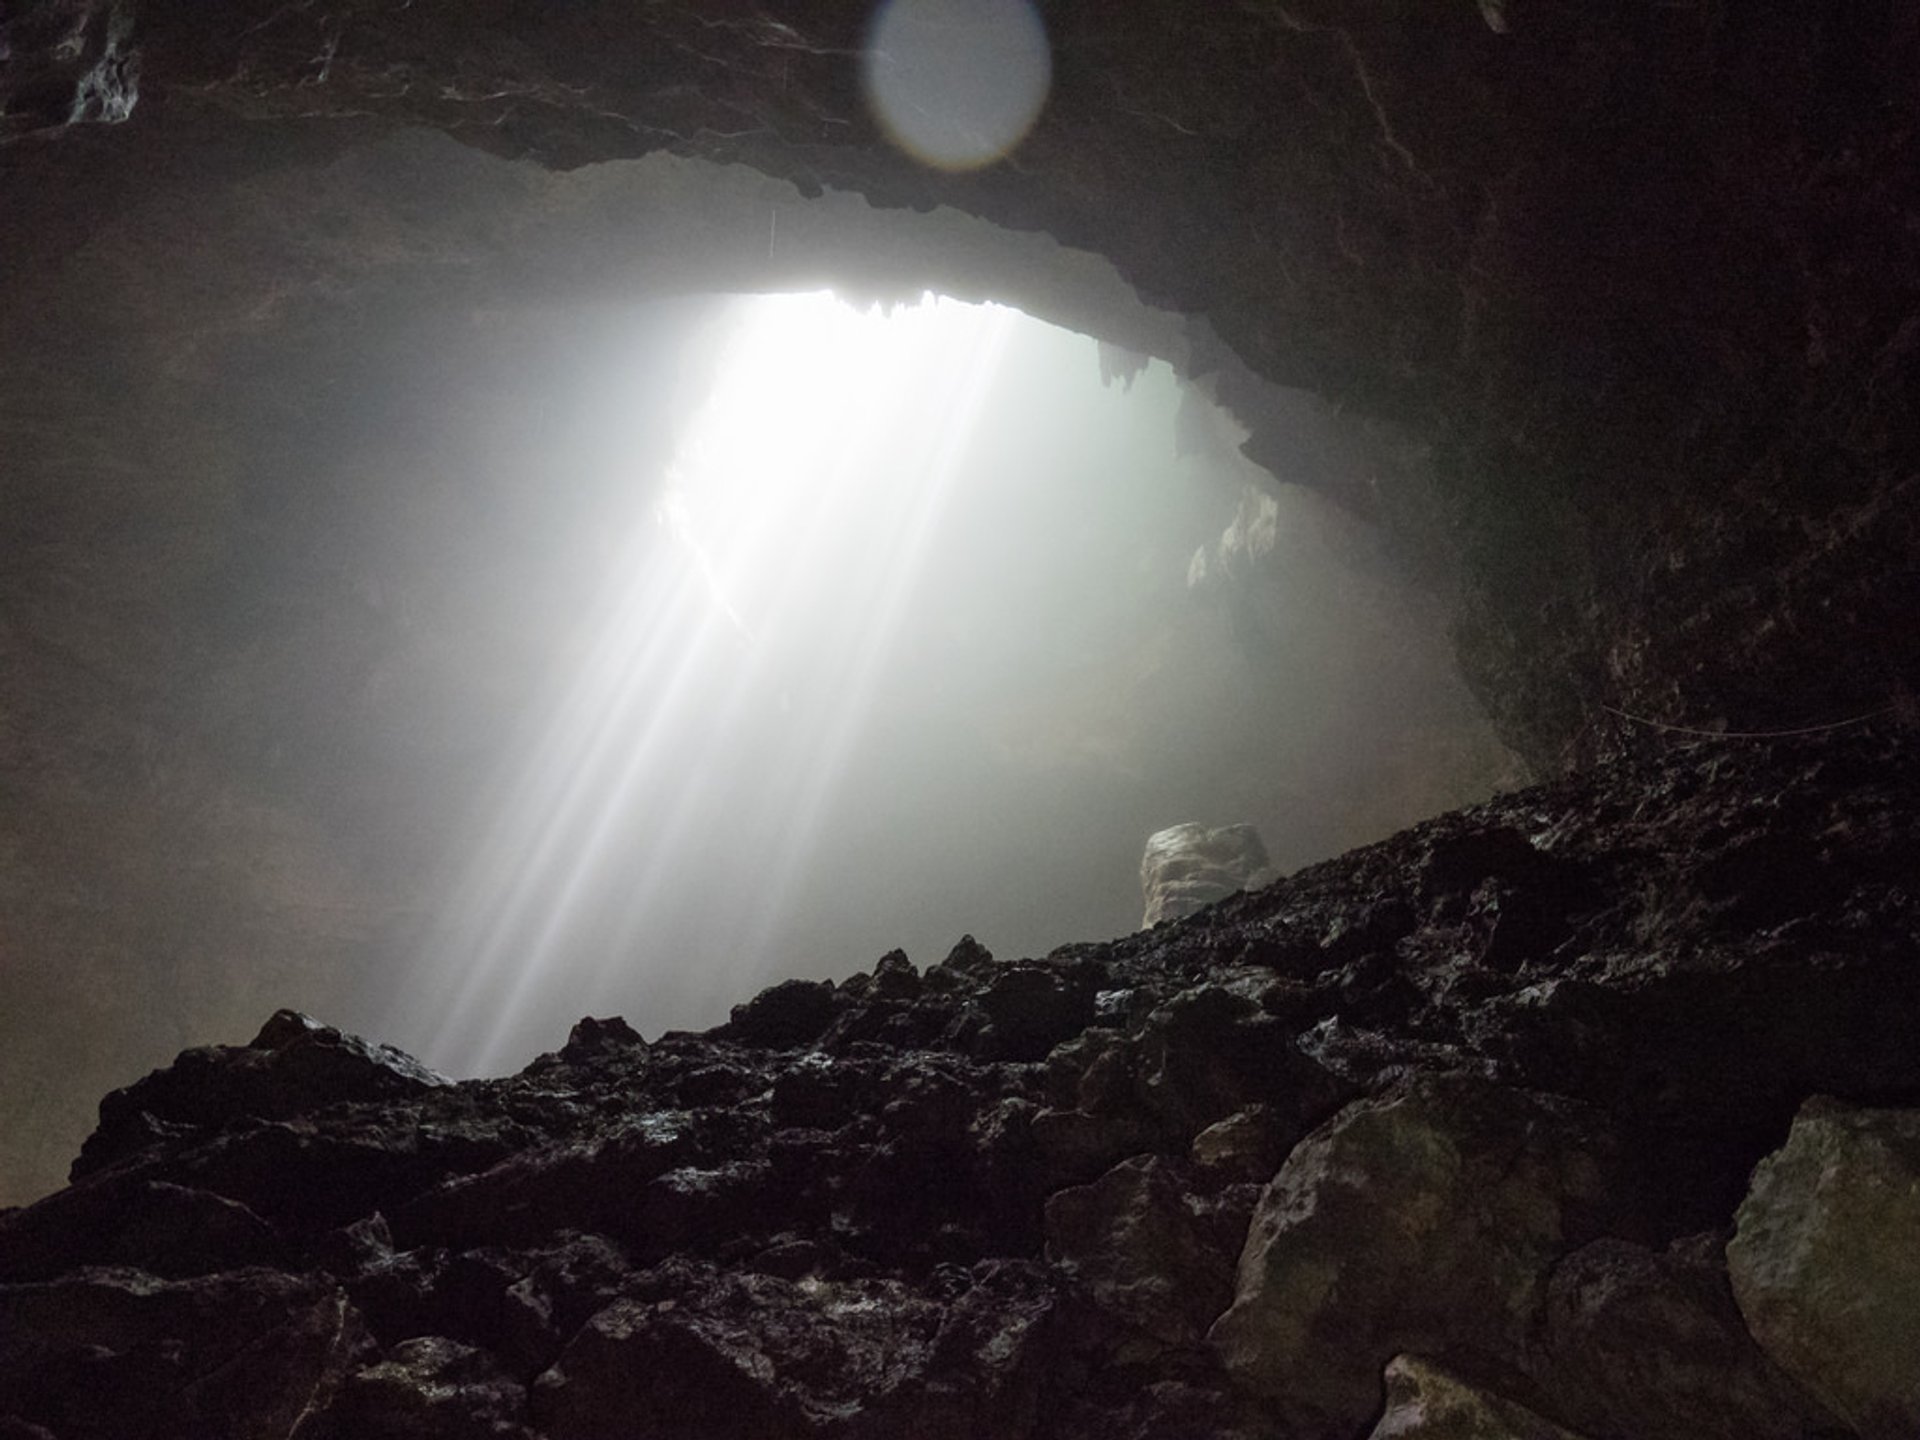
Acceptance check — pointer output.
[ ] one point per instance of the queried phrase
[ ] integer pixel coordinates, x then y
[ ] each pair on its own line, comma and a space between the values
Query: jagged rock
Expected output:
1426, 1402
169, 1230
109, 1351
918, 1237
594, 1037
755, 1356
1144, 1249
428, 1388
1639, 1345
1030, 1009
1247, 1145
1424, 1218
295, 1065
792, 1013
1187, 867
1210, 1052
1826, 1262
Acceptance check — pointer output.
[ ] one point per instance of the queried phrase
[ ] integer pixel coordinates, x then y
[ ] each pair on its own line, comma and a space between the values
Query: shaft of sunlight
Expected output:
731, 670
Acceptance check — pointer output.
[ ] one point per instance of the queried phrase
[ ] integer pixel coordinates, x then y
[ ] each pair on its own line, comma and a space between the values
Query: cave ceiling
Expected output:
1643, 274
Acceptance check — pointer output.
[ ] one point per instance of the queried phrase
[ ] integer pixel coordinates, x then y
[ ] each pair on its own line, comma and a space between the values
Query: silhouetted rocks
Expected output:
1312, 1164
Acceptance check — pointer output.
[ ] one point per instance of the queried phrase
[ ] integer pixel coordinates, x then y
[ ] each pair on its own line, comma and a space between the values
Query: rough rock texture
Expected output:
1187, 867
1608, 312
1424, 1218
999, 1199
1643, 274
1826, 1262
1425, 1402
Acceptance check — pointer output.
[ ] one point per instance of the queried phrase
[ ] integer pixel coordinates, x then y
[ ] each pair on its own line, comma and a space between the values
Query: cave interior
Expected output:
1475, 443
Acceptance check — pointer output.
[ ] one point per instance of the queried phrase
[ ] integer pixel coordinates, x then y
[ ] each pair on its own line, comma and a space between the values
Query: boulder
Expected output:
1425, 1218
112, 1351
1826, 1262
429, 1388
1426, 1402
1646, 1345
1187, 867
293, 1067
1143, 1250
784, 1016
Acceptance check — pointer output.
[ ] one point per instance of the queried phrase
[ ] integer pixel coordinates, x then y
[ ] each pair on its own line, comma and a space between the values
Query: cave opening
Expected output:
363, 418
926, 617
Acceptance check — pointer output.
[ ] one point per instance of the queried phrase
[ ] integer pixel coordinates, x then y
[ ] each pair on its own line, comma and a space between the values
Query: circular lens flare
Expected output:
957, 83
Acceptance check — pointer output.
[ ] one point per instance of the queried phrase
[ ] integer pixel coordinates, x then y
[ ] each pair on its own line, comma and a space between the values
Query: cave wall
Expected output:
1643, 274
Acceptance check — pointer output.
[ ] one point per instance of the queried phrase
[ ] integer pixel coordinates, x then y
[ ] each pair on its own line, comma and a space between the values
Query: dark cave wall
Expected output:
1643, 274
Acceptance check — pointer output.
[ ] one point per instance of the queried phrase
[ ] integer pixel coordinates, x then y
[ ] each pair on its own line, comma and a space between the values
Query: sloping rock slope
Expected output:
1449, 1136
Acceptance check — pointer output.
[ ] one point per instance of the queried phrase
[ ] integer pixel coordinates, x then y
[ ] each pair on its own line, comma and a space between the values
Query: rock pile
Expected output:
1592, 1112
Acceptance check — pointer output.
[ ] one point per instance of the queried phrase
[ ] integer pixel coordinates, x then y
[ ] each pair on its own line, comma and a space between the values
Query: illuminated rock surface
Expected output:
1826, 1262
871, 1209
1186, 867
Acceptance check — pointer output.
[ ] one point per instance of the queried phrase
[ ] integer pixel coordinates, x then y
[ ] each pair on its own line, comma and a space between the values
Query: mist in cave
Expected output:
912, 621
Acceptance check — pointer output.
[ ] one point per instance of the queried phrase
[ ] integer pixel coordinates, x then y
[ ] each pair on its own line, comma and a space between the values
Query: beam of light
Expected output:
733, 670
958, 83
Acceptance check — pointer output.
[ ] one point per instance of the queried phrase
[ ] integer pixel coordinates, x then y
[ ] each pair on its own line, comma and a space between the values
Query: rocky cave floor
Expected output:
1574, 1113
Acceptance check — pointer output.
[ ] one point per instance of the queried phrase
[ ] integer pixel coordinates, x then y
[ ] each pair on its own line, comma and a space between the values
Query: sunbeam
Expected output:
731, 675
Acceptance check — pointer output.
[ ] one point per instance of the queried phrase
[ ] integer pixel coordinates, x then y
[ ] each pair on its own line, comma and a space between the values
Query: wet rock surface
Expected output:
1306, 1164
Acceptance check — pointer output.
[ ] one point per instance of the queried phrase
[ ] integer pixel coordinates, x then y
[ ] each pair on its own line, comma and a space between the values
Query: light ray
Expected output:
754, 621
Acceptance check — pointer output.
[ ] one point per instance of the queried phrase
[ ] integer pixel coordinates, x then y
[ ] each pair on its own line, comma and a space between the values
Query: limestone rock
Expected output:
1425, 1402
1640, 1345
1140, 1245
1826, 1262
1187, 867
1424, 1218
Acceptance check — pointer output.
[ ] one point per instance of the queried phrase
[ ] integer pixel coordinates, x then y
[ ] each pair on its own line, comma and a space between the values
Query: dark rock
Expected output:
167, 1229
894, 977
295, 1065
1639, 1345
428, 1388
111, 1351
591, 1037
790, 1014
1141, 1249
942, 1239
757, 1356
1031, 1008
1248, 1145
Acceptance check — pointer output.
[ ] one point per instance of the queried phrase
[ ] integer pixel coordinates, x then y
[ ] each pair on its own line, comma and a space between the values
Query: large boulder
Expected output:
1145, 1249
1426, 1218
1826, 1262
1188, 867
1640, 1344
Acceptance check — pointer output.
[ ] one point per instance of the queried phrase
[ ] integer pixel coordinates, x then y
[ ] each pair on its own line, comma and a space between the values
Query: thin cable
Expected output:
1750, 734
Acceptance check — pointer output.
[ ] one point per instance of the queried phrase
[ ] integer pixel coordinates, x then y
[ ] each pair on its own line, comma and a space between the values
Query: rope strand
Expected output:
1750, 734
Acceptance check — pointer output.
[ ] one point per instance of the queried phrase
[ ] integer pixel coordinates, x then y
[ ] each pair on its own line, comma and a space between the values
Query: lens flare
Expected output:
958, 83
